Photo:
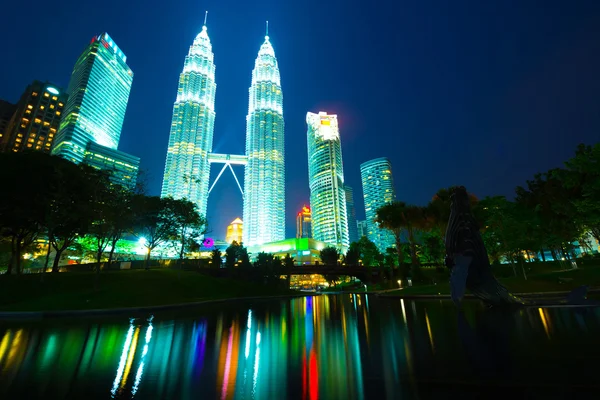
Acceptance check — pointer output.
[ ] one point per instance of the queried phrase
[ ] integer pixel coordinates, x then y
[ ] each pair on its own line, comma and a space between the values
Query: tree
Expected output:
438, 210
154, 221
231, 254
215, 257
189, 224
398, 217
352, 256
330, 256
28, 179
581, 178
434, 250
288, 261
369, 253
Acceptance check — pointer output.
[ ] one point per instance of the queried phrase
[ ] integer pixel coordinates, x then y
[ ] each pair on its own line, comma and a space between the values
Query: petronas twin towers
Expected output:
187, 169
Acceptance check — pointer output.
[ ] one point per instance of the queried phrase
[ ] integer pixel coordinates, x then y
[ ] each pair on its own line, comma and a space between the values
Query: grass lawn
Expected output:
135, 288
543, 282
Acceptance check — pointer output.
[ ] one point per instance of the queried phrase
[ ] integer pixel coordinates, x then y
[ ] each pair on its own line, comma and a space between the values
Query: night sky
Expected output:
478, 93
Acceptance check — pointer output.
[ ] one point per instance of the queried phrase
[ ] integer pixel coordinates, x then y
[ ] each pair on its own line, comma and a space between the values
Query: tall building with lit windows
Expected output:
187, 168
264, 176
351, 215
304, 223
326, 180
98, 95
378, 190
35, 119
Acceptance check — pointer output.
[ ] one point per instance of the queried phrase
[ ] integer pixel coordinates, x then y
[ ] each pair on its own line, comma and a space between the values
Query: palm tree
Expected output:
398, 217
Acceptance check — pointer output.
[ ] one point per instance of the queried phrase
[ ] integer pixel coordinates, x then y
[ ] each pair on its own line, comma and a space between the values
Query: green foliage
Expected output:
215, 258
330, 256
369, 254
288, 261
352, 256
231, 254
433, 248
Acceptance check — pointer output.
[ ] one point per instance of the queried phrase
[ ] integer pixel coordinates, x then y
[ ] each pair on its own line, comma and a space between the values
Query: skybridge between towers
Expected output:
227, 160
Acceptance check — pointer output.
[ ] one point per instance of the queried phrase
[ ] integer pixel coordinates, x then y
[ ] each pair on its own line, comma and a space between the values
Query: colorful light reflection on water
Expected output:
322, 347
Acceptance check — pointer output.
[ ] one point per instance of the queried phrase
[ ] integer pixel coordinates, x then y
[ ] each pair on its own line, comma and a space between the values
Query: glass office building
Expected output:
264, 176
326, 180
187, 168
378, 190
35, 120
98, 94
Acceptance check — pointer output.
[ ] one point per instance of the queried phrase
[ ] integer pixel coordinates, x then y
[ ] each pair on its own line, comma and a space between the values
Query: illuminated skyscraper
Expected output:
303, 223
351, 215
234, 231
35, 119
326, 180
98, 94
187, 167
378, 190
264, 178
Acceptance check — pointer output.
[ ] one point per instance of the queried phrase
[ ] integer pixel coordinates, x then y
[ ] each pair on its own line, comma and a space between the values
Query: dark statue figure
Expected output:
470, 267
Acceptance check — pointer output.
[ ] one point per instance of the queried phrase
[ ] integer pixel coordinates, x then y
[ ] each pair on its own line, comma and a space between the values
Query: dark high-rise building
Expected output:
351, 215
36, 119
7, 110
303, 223
91, 127
362, 228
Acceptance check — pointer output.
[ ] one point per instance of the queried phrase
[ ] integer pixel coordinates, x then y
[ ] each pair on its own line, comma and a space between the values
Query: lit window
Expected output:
54, 98
46, 123
29, 145
20, 135
34, 94
58, 113
25, 120
30, 106
31, 140
51, 106
18, 140
46, 95
60, 104
38, 147
32, 134
37, 121
53, 130
48, 144
27, 111
23, 126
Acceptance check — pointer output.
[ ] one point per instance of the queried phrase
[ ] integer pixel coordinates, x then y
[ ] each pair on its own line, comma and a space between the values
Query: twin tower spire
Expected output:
187, 169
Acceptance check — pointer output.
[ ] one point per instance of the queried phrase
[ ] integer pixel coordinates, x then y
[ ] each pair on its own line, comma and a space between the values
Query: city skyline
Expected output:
440, 109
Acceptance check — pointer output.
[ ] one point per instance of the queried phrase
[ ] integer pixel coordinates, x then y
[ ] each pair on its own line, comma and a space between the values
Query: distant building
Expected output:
303, 250
122, 166
7, 110
93, 117
303, 223
35, 120
326, 180
362, 228
351, 215
378, 190
234, 231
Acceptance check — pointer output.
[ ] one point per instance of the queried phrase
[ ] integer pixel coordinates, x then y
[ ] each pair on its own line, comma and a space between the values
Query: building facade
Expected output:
234, 231
35, 119
7, 110
351, 215
303, 223
264, 175
187, 168
93, 116
326, 180
362, 228
378, 190
123, 167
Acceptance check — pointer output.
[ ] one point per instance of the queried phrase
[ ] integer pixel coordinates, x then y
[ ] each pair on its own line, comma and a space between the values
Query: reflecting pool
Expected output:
328, 347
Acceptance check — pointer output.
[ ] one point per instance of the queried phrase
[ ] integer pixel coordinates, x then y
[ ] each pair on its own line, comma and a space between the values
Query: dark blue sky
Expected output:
479, 93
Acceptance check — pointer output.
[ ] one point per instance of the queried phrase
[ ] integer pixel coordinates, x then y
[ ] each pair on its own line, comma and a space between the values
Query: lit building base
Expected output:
303, 250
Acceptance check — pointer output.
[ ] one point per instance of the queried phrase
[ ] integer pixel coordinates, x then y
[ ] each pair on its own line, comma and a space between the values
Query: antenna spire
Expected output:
267, 29
205, 17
